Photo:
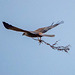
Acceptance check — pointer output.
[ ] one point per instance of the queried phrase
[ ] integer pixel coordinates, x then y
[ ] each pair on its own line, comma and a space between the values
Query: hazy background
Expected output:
21, 55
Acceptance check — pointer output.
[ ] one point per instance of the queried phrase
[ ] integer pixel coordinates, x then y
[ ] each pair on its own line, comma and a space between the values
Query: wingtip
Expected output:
3, 22
6, 25
61, 22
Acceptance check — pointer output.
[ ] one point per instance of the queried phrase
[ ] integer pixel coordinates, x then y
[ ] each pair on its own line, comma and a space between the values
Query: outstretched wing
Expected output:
7, 26
45, 29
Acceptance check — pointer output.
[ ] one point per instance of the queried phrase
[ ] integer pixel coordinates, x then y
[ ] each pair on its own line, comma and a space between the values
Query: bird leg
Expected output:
40, 41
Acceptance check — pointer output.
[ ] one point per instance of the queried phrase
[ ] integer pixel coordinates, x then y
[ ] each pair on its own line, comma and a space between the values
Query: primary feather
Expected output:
45, 29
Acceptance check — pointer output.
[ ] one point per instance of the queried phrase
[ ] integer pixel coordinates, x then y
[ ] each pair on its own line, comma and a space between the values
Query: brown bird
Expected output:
37, 33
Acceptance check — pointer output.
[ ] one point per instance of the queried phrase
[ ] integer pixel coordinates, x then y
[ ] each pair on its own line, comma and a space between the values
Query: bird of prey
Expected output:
37, 33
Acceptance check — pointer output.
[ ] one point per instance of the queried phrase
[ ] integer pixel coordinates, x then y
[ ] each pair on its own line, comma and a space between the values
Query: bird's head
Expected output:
23, 34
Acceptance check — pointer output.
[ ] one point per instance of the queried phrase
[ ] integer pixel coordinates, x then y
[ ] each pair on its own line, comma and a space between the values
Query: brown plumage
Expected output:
37, 33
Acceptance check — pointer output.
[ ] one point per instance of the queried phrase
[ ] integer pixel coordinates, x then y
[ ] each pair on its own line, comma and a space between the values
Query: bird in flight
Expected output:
37, 33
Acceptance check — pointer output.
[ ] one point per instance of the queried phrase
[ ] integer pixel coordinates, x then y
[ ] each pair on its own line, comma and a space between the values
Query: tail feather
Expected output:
48, 35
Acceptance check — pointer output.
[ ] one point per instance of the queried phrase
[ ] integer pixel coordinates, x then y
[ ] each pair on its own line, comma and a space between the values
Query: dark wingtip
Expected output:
60, 22
6, 25
3, 22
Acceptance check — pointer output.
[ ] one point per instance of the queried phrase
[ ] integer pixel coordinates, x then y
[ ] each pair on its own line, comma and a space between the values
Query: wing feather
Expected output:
45, 29
7, 26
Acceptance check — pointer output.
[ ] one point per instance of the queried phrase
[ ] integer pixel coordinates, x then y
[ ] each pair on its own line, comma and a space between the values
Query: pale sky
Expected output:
21, 55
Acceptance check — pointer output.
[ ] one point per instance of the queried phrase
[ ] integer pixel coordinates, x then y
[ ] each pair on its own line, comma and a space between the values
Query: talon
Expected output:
40, 41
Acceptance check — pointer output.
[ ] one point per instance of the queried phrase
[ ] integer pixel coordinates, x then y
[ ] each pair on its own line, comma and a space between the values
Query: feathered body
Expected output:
37, 33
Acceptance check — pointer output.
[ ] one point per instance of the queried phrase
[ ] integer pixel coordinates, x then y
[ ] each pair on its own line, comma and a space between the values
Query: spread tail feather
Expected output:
48, 35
